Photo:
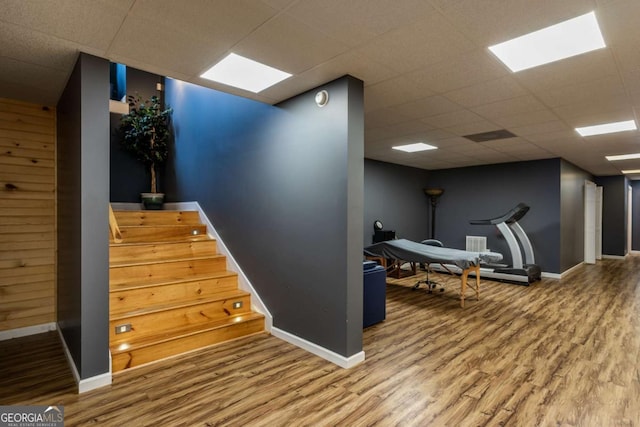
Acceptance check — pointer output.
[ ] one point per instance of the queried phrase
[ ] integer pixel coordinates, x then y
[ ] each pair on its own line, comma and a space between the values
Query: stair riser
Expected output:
122, 361
125, 218
167, 270
146, 252
135, 299
164, 234
153, 323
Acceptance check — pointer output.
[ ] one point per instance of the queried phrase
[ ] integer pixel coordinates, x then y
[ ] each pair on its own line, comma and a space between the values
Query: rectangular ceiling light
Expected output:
631, 171
623, 157
607, 128
244, 73
412, 148
550, 44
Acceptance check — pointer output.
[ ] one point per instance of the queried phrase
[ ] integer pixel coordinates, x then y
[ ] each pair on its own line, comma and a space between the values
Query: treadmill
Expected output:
521, 272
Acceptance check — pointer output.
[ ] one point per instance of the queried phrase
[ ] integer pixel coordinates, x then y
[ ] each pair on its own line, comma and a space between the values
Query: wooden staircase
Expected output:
169, 290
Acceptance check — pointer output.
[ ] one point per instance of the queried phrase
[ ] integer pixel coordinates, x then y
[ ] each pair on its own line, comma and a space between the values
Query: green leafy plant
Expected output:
145, 133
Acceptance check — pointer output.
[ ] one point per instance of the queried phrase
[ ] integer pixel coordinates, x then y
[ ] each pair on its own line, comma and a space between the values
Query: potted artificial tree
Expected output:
145, 133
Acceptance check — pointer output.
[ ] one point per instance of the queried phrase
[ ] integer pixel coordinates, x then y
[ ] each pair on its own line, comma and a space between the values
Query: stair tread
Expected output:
117, 264
185, 239
163, 226
161, 242
169, 305
118, 287
171, 334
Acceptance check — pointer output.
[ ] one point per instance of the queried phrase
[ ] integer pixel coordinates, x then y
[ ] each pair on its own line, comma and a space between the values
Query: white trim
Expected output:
243, 281
27, 330
546, 275
571, 270
86, 384
342, 361
613, 256
93, 383
634, 252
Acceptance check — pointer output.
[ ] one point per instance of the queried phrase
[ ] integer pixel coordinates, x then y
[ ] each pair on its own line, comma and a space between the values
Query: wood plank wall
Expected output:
27, 214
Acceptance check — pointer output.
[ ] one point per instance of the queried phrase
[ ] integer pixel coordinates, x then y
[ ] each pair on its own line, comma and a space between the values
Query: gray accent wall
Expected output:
283, 186
82, 203
553, 189
394, 195
483, 192
572, 180
128, 177
614, 214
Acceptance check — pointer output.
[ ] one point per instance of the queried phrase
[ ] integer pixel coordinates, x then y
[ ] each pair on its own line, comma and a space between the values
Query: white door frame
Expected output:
589, 222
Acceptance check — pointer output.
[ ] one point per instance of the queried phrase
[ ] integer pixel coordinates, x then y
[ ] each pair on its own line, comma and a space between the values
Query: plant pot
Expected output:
152, 201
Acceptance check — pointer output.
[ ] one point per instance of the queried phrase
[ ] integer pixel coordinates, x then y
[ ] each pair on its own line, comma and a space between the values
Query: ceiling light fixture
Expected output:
412, 148
564, 40
244, 73
607, 128
623, 157
631, 171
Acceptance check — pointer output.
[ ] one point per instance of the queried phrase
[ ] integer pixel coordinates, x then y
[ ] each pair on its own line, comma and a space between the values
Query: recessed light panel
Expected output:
623, 157
244, 73
566, 39
607, 128
631, 171
412, 148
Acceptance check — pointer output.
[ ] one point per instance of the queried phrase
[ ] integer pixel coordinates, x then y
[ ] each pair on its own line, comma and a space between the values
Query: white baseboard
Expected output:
613, 256
86, 384
342, 361
546, 275
243, 281
26, 331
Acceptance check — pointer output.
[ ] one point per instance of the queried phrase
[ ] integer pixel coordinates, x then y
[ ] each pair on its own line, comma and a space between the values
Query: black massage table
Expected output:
409, 251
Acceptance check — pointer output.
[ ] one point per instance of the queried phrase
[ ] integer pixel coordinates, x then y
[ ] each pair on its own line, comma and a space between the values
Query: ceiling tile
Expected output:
538, 128
460, 71
358, 21
453, 118
21, 44
424, 42
527, 118
224, 21
487, 92
593, 92
179, 53
88, 23
426, 107
583, 68
493, 21
508, 107
397, 90
289, 45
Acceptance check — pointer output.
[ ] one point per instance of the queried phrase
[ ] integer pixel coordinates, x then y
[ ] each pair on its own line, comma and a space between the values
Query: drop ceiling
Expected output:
428, 74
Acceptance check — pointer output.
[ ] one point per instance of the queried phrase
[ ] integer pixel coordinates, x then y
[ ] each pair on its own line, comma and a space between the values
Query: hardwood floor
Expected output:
557, 353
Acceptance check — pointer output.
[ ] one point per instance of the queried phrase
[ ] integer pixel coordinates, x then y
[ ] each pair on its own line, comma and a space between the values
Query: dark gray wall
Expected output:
572, 180
128, 177
83, 197
614, 214
283, 186
394, 195
482, 192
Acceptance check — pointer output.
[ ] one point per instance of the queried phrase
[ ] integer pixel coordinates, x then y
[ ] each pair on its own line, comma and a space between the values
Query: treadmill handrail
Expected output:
513, 215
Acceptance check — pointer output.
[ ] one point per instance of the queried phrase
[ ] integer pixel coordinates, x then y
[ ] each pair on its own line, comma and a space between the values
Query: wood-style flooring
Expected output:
556, 353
